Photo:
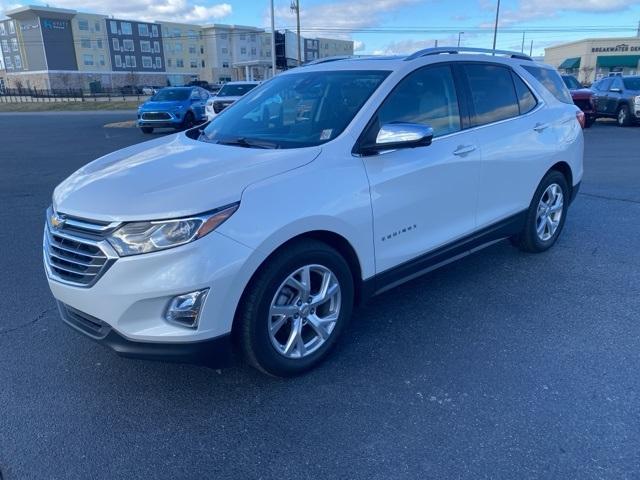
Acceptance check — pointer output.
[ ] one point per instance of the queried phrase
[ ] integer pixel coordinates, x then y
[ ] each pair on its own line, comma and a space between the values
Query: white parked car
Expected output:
325, 185
228, 94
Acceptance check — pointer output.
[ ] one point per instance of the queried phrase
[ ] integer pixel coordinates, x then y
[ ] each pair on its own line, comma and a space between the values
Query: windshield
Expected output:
236, 90
632, 83
171, 95
296, 110
571, 82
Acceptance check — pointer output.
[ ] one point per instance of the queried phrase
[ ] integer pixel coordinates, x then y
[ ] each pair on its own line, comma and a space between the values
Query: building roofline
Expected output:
233, 26
39, 8
594, 39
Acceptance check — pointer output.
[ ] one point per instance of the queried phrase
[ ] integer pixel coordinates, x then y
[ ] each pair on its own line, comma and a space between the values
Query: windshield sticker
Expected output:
326, 134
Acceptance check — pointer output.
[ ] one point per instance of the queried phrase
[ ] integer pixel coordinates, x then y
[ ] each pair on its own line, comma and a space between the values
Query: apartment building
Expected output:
54, 48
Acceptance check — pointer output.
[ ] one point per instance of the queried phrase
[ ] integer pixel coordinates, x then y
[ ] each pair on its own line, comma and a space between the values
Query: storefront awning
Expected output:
630, 61
570, 63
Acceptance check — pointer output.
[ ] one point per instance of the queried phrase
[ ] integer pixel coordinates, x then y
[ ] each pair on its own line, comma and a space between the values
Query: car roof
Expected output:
242, 82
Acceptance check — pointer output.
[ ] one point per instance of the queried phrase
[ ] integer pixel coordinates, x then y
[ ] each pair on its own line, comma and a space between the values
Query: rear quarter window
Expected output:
551, 80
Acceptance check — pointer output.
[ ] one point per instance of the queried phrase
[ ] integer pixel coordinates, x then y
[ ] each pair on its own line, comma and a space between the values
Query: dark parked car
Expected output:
582, 97
130, 90
618, 97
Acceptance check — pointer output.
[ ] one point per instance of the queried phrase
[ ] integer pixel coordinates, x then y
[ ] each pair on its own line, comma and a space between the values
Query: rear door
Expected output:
614, 95
516, 137
600, 95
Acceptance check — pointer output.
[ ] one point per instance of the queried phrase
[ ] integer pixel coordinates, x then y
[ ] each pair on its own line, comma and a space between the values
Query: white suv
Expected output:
323, 186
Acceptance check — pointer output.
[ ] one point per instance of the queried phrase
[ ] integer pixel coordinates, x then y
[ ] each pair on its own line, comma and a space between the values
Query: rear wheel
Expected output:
189, 121
546, 214
295, 309
146, 129
624, 116
589, 121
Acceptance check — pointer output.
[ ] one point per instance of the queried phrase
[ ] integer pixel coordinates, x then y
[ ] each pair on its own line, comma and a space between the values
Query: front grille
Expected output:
75, 250
156, 116
584, 105
219, 106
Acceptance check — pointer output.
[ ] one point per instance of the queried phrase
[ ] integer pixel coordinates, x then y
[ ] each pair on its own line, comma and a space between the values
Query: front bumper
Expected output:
216, 352
174, 121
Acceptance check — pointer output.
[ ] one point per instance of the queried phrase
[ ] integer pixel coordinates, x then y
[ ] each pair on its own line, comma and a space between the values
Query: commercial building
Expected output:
54, 48
593, 58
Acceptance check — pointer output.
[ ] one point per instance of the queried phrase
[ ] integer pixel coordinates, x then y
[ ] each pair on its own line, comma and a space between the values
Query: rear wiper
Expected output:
247, 142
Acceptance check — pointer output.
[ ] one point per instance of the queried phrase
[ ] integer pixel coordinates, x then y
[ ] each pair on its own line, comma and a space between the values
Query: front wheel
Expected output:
189, 121
624, 116
546, 215
146, 129
295, 309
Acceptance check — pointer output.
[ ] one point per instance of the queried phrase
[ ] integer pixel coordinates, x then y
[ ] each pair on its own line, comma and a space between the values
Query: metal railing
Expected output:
35, 95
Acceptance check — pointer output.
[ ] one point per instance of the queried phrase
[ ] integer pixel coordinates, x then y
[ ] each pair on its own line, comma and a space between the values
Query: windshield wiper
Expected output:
247, 142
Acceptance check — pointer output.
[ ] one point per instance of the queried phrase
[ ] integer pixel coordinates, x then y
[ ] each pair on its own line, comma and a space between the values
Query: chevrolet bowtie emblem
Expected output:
57, 221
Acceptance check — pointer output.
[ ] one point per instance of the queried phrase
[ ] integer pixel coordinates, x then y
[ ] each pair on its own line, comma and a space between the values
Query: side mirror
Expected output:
397, 135
615, 90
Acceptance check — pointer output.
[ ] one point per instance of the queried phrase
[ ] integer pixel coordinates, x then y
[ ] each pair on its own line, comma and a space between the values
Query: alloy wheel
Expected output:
549, 212
622, 116
304, 311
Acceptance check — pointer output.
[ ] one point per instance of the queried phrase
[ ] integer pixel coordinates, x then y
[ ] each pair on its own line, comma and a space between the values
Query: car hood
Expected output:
160, 105
170, 177
225, 99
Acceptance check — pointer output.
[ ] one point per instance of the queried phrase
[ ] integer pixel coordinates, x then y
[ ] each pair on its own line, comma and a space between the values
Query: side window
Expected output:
492, 93
195, 95
551, 80
204, 95
605, 84
617, 83
426, 96
526, 100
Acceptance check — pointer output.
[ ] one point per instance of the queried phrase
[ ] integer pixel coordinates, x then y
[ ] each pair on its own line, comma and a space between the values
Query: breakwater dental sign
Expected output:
54, 24
617, 48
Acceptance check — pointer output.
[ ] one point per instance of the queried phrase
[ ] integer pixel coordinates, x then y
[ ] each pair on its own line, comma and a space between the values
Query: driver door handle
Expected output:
539, 127
464, 150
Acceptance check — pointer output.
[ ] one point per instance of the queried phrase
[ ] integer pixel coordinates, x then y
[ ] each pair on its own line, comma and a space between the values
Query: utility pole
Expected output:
436, 46
273, 41
531, 49
522, 49
295, 5
495, 28
459, 35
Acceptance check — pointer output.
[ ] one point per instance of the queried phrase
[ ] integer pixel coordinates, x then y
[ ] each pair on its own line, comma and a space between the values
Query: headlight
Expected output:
144, 237
636, 99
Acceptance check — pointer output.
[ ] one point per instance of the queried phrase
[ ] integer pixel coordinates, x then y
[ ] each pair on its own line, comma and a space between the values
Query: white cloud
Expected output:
149, 10
358, 46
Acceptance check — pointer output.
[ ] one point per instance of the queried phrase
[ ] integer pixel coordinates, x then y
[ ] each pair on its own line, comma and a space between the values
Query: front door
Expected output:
423, 197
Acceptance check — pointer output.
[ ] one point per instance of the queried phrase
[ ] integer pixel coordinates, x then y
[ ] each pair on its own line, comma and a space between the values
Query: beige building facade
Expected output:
593, 58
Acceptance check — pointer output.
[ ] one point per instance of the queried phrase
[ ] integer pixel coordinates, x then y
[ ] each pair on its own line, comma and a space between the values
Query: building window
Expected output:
12, 30
145, 46
267, 53
243, 36
225, 64
3, 31
99, 43
224, 50
169, 62
179, 63
126, 28
147, 62
83, 24
178, 47
156, 47
202, 63
143, 30
194, 64
192, 34
97, 26
18, 61
158, 63
118, 59
87, 59
14, 44
5, 46
102, 60
176, 33
1, 63
85, 43
130, 60
8, 63
243, 51
113, 25
223, 36
127, 45
192, 49
253, 51
252, 37
116, 44
154, 30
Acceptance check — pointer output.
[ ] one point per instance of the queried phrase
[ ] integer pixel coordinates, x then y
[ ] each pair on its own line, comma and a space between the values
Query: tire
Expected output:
530, 240
624, 116
589, 121
188, 122
255, 320
146, 129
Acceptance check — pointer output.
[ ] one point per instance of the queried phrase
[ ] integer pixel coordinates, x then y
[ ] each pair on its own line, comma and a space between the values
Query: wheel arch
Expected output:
565, 169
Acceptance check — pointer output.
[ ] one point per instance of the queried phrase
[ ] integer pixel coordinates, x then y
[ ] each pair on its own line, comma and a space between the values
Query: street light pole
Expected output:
459, 35
273, 41
495, 28
295, 5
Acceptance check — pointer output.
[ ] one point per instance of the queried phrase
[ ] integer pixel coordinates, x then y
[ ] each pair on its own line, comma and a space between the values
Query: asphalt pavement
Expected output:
503, 365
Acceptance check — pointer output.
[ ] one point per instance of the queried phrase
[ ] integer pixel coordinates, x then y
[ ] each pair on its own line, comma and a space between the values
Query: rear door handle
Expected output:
541, 127
464, 149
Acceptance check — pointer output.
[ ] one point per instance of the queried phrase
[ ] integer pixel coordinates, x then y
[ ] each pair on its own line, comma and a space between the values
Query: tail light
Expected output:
580, 117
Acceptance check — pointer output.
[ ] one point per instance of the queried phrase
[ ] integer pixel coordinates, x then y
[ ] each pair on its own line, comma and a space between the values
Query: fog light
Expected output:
185, 309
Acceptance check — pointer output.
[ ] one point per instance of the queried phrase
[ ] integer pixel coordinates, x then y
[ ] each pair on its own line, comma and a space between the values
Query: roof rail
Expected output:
453, 50
330, 59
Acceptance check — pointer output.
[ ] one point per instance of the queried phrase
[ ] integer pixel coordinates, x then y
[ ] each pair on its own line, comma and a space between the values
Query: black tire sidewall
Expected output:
263, 352
530, 229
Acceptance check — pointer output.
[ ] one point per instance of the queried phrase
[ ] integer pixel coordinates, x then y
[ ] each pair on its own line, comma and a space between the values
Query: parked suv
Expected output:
582, 97
618, 97
228, 94
173, 107
326, 185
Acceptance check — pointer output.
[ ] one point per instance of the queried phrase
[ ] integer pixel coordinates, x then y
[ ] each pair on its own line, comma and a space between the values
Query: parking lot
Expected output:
502, 365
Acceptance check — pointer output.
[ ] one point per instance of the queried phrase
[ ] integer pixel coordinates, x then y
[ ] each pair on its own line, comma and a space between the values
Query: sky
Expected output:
396, 26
